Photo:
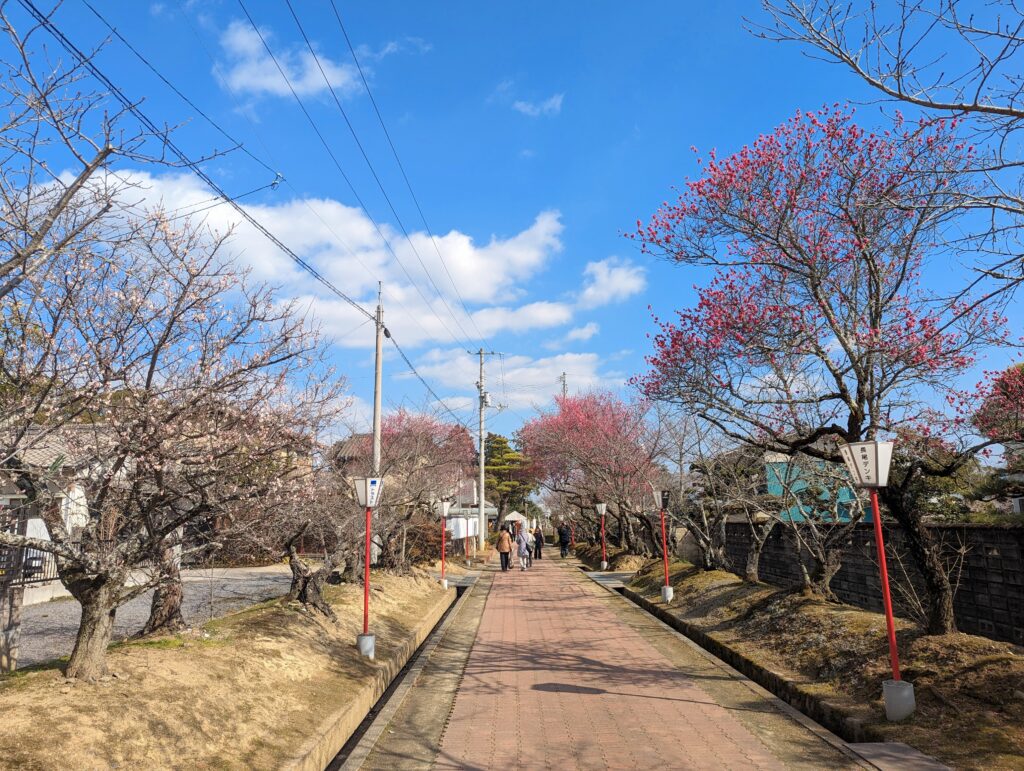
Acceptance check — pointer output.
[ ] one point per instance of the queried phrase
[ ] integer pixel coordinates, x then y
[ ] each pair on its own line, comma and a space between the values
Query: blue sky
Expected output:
534, 135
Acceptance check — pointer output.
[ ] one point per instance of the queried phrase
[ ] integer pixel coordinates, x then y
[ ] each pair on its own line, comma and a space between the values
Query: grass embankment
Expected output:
244, 691
969, 689
619, 560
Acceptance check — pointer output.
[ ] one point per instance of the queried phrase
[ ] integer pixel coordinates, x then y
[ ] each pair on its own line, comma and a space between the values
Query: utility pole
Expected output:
484, 403
565, 385
377, 371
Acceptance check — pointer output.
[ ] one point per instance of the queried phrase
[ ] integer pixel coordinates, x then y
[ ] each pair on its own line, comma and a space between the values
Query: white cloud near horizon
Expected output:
248, 69
550, 106
528, 382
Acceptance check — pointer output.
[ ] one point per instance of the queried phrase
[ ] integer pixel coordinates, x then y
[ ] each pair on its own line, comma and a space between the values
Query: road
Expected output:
48, 630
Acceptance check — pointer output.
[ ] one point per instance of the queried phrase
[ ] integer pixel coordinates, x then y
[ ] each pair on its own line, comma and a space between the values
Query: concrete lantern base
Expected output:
444, 584
604, 565
667, 592
899, 699
367, 644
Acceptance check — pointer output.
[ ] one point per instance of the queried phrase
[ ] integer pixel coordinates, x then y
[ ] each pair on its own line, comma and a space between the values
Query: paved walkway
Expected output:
563, 674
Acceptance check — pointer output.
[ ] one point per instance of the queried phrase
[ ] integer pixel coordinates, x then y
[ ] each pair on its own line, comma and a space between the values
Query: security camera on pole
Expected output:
868, 464
368, 492
601, 509
667, 591
443, 507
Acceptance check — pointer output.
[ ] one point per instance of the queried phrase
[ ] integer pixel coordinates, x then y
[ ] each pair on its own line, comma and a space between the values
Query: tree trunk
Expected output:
96, 629
758, 536
826, 565
11, 598
925, 552
165, 612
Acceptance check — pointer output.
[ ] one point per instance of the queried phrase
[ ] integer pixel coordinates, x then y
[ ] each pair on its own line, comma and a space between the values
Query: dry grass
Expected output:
239, 694
970, 690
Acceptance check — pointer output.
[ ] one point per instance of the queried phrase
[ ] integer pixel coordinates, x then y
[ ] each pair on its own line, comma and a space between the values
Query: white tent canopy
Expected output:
514, 516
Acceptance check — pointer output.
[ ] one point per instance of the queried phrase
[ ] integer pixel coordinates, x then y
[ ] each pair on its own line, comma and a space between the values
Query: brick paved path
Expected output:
557, 679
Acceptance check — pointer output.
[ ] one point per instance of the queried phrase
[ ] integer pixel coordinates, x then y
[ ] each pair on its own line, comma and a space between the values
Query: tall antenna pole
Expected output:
565, 385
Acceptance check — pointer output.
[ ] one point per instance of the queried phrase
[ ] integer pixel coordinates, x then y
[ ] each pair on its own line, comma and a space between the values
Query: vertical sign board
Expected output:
372, 492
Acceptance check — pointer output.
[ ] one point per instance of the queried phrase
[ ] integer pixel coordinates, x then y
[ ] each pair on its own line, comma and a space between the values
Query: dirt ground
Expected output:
240, 693
969, 689
619, 560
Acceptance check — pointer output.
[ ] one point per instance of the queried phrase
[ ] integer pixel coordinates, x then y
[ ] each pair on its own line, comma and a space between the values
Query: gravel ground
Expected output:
48, 629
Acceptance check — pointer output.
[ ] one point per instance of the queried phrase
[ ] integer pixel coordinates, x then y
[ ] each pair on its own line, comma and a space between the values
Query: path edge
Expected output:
334, 730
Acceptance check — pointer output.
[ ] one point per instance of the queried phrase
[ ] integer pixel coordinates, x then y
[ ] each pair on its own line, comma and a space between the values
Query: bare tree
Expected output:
195, 392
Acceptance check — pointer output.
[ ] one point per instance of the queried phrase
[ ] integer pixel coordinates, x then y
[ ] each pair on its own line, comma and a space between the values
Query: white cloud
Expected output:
249, 69
537, 315
576, 334
408, 43
611, 280
585, 332
550, 106
493, 271
528, 382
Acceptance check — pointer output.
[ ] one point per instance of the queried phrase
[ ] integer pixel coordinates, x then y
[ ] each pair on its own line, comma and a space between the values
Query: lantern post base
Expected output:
604, 565
667, 593
899, 700
444, 584
367, 644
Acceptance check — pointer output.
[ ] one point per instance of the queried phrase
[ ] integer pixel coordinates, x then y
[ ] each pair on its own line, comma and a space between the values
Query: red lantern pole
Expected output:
604, 550
444, 537
366, 576
664, 545
894, 657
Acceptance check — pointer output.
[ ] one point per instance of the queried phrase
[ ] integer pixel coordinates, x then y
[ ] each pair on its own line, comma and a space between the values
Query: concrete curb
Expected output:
335, 729
369, 740
802, 701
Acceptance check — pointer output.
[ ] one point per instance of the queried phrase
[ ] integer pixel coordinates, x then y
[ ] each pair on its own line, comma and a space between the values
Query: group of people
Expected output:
527, 543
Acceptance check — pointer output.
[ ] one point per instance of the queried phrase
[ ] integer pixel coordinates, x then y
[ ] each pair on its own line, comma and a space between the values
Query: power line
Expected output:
299, 197
401, 167
337, 164
426, 384
373, 171
45, 22
183, 97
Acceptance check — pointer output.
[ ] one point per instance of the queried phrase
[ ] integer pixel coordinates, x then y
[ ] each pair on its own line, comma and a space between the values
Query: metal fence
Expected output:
20, 566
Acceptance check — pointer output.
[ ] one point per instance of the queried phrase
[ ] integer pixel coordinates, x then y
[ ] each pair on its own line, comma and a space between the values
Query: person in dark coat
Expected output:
538, 542
564, 537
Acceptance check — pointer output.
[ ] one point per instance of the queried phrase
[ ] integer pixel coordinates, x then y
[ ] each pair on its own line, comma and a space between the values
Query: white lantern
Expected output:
868, 462
368, 491
442, 507
601, 508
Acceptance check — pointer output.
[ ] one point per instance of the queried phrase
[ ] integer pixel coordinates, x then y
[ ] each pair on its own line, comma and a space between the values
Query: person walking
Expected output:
538, 542
504, 547
564, 537
524, 547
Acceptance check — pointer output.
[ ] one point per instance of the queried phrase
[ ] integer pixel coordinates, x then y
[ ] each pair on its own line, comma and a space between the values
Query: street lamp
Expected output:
868, 464
666, 590
443, 506
601, 509
368, 492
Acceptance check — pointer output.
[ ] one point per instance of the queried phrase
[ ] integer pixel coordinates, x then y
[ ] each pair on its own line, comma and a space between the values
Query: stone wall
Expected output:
986, 566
